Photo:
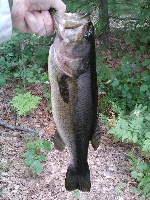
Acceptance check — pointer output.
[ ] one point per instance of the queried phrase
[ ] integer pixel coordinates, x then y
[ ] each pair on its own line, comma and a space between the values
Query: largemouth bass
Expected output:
74, 94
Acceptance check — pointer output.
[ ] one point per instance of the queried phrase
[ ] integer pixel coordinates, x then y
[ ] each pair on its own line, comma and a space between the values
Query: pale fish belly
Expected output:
62, 112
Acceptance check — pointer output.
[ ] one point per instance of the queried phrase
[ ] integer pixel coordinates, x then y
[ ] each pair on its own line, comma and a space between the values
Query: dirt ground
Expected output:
109, 165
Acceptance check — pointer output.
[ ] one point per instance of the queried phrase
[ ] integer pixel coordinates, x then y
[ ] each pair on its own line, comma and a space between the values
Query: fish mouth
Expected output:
69, 32
75, 20
69, 20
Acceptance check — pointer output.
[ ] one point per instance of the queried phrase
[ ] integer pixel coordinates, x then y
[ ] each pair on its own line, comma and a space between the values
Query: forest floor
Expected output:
109, 165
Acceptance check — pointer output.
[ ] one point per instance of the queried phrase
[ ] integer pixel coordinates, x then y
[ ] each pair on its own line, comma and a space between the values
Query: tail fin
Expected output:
75, 180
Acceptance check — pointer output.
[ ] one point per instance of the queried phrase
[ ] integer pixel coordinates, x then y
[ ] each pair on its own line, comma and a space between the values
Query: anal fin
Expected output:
96, 139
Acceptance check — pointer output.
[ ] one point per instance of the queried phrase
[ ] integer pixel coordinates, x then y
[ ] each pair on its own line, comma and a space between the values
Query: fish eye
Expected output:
88, 35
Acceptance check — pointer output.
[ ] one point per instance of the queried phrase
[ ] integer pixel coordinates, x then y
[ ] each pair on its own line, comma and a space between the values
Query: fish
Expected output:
74, 94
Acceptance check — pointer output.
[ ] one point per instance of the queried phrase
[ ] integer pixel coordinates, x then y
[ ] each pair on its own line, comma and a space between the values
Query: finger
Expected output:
48, 23
18, 13
20, 25
59, 6
35, 23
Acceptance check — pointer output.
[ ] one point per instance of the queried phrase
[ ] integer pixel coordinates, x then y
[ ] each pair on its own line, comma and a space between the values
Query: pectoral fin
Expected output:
63, 88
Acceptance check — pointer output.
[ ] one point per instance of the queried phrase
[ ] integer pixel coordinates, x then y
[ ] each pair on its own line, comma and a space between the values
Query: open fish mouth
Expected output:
70, 46
74, 20
76, 16
69, 20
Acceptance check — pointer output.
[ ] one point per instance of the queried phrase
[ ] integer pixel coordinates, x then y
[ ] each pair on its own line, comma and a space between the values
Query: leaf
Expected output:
144, 181
29, 157
76, 194
134, 137
142, 48
27, 138
126, 136
143, 88
47, 95
146, 62
30, 145
36, 167
39, 143
40, 157
134, 190
138, 52
24, 103
122, 185
146, 145
118, 191
47, 145
129, 95
146, 189
142, 166
28, 162
28, 154
134, 174
115, 83
147, 135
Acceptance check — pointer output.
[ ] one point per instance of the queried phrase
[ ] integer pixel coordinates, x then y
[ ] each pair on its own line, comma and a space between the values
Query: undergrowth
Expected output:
23, 59
124, 108
134, 127
33, 158
141, 172
128, 84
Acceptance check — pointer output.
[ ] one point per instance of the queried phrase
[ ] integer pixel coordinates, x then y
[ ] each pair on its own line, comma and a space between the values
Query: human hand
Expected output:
32, 16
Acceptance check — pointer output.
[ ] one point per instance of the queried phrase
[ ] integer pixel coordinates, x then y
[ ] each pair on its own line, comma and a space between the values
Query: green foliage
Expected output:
128, 84
141, 172
47, 95
140, 30
103, 72
134, 127
120, 188
132, 18
81, 5
32, 157
126, 92
76, 194
24, 57
23, 103
4, 167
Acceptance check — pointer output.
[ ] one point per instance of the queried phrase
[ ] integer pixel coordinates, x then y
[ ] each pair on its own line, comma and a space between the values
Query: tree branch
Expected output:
20, 128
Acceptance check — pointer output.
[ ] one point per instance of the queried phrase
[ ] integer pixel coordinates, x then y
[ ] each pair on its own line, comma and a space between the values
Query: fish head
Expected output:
73, 42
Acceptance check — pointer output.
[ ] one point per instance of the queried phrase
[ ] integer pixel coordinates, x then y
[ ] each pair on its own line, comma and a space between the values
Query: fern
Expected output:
134, 127
23, 103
